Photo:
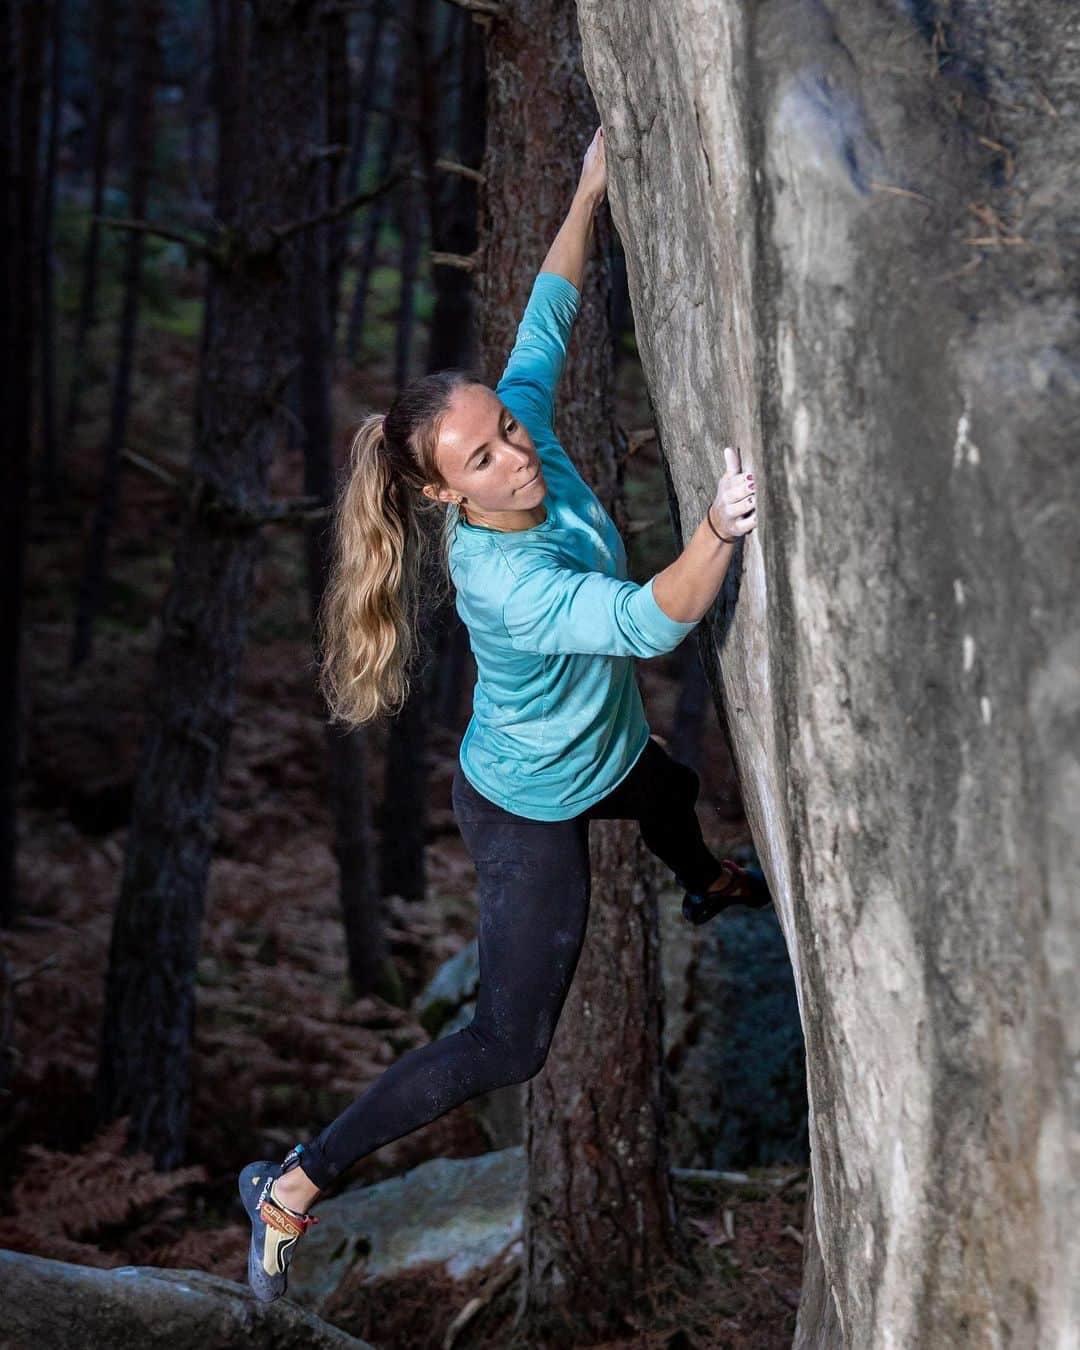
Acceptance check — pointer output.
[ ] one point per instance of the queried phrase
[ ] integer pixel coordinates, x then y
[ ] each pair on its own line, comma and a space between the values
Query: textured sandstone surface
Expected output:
851, 242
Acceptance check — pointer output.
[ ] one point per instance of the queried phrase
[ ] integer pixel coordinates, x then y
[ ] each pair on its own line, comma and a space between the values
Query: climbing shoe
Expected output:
275, 1229
746, 887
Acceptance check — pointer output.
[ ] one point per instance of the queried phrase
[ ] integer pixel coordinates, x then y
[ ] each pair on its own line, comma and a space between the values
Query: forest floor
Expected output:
280, 1045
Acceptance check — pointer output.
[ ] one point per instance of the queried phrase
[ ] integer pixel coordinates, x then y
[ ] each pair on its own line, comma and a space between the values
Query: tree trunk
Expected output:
452, 338
403, 819
250, 353
336, 169
102, 101
391, 132
599, 1210
347, 752
49, 449
21, 54
852, 248
600, 1214
409, 197
688, 731
141, 126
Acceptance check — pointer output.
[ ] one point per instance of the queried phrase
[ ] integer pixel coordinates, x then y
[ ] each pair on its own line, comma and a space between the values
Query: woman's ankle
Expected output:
295, 1190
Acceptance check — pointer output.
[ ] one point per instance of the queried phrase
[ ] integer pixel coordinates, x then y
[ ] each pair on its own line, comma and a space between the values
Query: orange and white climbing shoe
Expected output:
275, 1229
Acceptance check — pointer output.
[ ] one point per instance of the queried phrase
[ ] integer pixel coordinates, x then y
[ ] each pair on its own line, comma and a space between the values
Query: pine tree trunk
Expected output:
600, 1214
22, 38
49, 447
104, 59
600, 1210
250, 351
141, 125
404, 812
453, 331
347, 752
391, 132
361, 93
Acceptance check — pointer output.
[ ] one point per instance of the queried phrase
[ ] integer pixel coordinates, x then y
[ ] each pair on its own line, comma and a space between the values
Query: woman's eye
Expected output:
511, 423
481, 462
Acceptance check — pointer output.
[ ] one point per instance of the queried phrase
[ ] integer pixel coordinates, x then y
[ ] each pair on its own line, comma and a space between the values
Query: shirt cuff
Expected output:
557, 282
669, 632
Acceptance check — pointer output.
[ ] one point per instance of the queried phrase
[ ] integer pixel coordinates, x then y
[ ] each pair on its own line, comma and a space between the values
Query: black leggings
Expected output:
533, 897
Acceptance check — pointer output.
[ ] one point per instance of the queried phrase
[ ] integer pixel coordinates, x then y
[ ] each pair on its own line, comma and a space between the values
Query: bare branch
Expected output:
198, 246
491, 9
342, 208
452, 166
467, 262
151, 467
210, 499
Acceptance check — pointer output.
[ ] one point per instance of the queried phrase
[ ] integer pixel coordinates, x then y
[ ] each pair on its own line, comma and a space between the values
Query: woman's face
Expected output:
486, 455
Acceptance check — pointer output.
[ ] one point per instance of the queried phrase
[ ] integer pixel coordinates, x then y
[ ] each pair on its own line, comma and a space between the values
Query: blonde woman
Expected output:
558, 735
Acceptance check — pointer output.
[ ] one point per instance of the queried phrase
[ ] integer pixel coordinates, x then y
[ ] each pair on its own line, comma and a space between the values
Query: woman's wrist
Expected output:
588, 199
708, 517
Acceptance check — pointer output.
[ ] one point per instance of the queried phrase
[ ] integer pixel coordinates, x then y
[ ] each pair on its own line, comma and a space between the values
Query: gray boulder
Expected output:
53, 1305
852, 249
460, 1212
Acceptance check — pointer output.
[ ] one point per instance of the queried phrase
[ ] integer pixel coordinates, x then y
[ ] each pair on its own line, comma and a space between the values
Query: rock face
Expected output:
68, 1307
851, 245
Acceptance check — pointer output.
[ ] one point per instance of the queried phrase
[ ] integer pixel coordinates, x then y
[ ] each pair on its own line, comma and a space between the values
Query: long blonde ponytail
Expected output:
386, 539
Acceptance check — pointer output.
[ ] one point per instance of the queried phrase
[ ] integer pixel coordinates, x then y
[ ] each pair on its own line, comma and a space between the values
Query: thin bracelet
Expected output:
712, 527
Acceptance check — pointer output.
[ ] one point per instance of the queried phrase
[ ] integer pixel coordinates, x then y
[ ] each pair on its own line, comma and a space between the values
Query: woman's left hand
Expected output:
594, 168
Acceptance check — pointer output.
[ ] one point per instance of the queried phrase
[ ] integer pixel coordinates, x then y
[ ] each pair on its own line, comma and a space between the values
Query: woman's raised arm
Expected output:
570, 247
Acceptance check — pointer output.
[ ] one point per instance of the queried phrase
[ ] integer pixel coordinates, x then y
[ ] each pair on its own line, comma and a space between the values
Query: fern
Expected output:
62, 1197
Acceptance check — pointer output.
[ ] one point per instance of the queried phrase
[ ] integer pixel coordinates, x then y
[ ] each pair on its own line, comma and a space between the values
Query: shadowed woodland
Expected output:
840, 235
236, 229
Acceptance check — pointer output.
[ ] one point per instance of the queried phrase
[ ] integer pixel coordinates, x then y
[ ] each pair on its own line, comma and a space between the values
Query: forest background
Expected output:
336, 882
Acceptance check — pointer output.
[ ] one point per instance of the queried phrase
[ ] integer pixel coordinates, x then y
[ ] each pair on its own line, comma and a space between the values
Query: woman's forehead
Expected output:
471, 419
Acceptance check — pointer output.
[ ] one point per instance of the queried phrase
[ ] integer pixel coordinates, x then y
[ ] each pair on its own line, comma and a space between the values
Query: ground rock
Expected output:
53, 1305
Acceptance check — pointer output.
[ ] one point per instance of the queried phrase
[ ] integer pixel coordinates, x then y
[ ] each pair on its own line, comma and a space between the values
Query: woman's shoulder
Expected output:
493, 562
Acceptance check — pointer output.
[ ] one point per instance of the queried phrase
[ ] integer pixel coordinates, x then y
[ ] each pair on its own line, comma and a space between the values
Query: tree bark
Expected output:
452, 339
251, 350
140, 131
50, 472
391, 131
21, 52
599, 1210
102, 102
403, 818
347, 751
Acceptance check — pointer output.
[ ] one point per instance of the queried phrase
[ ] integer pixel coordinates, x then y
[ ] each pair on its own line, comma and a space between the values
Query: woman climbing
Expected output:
558, 735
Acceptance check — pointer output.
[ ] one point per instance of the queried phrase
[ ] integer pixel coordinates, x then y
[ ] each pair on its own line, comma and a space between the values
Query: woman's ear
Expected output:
438, 495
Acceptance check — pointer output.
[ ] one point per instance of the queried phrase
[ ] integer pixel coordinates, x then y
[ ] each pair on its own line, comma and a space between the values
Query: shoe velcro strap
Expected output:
292, 1225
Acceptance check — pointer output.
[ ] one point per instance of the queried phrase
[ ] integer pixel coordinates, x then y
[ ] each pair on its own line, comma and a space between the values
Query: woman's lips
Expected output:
531, 481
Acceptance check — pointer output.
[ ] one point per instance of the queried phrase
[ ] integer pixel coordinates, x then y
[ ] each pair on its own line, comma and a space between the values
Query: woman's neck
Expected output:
508, 521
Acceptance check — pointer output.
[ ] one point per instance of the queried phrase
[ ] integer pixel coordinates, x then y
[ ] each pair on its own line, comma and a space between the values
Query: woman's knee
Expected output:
511, 1058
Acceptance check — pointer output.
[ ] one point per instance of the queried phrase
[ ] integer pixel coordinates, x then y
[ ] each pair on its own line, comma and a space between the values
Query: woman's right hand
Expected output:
593, 180
734, 509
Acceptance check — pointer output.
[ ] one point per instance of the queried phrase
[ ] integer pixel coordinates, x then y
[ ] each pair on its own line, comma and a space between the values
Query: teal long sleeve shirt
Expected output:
553, 619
